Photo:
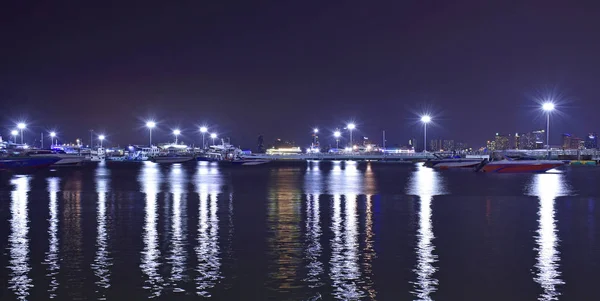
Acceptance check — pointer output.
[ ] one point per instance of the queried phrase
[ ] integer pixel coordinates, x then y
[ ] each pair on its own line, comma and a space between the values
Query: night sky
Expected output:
281, 67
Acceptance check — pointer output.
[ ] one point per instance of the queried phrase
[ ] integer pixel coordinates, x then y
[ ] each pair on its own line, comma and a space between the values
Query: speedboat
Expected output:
26, 163
516, 165
65, 159
453, 162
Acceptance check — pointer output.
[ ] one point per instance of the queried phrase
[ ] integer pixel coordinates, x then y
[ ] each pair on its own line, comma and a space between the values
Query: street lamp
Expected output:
425, 119
337, 135
52, 135
150, 125
101, 138
14, 133
548, 107
351, 127
203, 130
176, 133
21, 126
213, 136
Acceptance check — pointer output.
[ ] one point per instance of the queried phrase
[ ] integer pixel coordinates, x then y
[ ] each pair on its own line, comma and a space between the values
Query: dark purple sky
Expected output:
282, 67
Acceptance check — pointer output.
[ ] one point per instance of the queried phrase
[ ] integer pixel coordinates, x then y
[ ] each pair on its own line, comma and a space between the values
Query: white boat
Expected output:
65, 159
98, 155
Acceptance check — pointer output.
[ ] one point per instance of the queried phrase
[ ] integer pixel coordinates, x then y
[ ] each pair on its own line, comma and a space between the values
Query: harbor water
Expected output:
321, 231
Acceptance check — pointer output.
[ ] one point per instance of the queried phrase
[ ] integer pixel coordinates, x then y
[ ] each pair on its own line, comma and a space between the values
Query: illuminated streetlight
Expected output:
351, 126
21, 126
150, 125
213, 136
337, 135
203, 130
52, 135
14, 133
425, 119
176, 133
548, 107
101, 138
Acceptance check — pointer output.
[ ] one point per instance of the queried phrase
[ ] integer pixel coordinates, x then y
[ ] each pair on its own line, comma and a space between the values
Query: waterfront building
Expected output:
448, 145
591, 141
540, 139
501, 141
571, 141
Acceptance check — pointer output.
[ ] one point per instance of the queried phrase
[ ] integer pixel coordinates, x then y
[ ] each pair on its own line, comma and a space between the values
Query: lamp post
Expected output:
203, 130
425, 119
52, 135
21, 127
548, 107
101, 138
351, 127
150, 125
176, 133
14, 133
337, 135
213, 136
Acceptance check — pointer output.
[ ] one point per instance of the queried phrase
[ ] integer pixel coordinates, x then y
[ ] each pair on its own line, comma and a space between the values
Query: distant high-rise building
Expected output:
501, 142
566, 141
461, 146
448, 145
435, 145
540, 138
260, 144
591, 141
491, 145
571, 141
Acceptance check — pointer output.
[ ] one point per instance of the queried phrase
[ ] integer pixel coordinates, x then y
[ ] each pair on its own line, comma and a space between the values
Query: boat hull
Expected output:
244, 162
452, 164
170, 160
510, 167
26, 163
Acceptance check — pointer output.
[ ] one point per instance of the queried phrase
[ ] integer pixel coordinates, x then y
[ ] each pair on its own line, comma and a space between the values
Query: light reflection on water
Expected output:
178, 243
346, 182
52, 255
322, 237
313, 249
284, 242
208, 184
102, 260
425, 183
20, 281
547, 187
150, 179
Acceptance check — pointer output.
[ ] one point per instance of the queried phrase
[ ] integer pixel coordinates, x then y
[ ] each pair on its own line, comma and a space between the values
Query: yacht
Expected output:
65, 159
520, 165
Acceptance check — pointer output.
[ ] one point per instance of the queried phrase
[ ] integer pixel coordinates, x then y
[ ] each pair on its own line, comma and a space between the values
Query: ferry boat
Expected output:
519, 165
453, 162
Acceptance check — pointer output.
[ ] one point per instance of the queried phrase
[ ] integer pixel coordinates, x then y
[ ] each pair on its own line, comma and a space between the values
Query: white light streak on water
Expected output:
18, 242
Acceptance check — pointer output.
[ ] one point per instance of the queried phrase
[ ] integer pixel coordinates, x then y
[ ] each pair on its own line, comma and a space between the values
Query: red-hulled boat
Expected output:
521, 165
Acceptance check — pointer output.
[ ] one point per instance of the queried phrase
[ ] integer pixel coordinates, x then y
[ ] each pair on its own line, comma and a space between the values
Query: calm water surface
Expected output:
338, 231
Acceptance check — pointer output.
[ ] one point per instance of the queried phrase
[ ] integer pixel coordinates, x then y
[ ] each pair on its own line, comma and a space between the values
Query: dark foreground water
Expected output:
341, 231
